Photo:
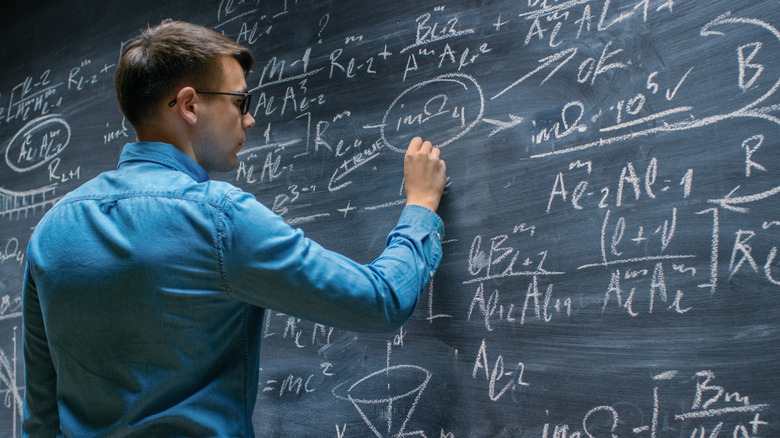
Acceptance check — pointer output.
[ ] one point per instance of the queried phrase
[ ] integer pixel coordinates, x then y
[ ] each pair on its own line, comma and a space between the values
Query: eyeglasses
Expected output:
243, 106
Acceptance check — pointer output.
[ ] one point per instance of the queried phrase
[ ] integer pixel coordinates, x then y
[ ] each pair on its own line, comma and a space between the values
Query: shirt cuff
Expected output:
417, 215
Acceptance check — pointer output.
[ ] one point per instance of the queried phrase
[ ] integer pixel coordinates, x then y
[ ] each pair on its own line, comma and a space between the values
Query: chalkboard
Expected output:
610, 265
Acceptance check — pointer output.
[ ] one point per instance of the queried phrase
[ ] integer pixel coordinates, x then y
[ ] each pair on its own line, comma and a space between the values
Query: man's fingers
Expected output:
418, 145
415, 144
424, 174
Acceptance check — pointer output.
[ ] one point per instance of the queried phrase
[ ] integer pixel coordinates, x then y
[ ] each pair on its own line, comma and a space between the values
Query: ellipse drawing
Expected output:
38, 142
448, 113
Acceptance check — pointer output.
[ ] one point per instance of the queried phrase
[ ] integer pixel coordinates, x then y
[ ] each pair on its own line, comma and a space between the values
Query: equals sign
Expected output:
268, 386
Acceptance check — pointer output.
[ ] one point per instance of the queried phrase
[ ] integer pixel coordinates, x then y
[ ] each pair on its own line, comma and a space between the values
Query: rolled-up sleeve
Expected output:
268, 263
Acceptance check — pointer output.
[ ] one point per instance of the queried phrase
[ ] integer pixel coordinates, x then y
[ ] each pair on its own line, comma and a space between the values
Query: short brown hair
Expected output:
167, 56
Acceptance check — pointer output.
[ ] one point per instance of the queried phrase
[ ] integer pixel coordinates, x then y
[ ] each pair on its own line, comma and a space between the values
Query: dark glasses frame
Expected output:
244, 107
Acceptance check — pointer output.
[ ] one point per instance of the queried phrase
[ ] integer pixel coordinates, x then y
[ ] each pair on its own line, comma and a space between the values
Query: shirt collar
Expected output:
164, 154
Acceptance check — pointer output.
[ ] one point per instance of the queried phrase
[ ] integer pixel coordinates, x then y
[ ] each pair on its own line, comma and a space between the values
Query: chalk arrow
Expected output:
732, 204
500, 126
568, 54
722, 19
707, 29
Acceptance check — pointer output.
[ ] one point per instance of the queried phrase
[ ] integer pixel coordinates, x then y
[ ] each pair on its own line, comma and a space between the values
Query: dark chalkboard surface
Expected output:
611, 263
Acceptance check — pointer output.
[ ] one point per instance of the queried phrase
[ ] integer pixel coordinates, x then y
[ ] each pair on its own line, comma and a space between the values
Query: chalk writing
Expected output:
612, 262
16, 204
9, 384
397, 387
40, 141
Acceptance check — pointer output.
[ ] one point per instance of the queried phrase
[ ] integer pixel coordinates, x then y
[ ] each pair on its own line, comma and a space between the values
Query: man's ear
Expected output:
187, 103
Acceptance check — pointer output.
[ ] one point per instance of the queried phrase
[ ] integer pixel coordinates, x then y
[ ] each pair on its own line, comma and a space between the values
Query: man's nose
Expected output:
248, 121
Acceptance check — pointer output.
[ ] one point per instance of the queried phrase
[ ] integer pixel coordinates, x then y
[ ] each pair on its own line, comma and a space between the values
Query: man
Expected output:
145, 288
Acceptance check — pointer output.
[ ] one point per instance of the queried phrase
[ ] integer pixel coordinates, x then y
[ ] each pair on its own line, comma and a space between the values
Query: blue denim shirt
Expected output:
144, 295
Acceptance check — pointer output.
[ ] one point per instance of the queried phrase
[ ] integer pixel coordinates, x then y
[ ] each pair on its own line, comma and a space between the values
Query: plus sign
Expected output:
347, 209
499, 23
384, 54
640, 236
757, 422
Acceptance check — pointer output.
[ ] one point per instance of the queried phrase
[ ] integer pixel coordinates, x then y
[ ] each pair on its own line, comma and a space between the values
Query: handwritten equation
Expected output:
611, 206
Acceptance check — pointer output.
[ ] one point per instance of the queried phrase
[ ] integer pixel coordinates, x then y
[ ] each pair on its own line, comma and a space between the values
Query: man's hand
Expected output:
424, 173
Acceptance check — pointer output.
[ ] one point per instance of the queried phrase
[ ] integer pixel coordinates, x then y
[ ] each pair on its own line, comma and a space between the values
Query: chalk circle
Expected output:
38, 151
387, 385
446, 118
